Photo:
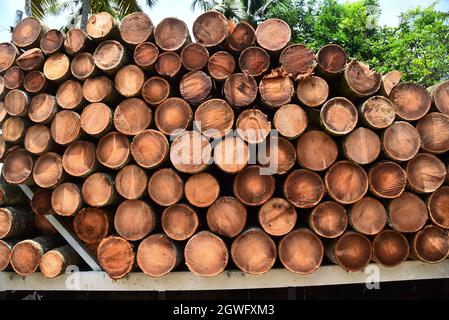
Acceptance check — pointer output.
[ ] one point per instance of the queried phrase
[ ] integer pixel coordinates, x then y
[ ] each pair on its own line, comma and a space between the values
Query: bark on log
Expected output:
329, 219
173, 116
70, 95
145, 55
114, 150
57, 68
28, 33
252, 188
316, 150
16, 221
179, 221
52, 41
368, 216
98, 190
92, 225
194, 56
136, 28
298, 61
165, 187
411, 101
96, 119
277, 217
254, 61
66, 127
425, 173
79, 159
129, 81
66, 199
132, 117
401, 141
433, 129
211, 29
150, 148
131, 182
362, 146
134, 220
35, 82
221, 65
201, 190
377, 112
171, 34
38, 139
227, 217
273, 35
116, 256
13, 78
240, 90
11, 195
407, 213
44, 226
56, 261
190, 152
30, 60
390, 248
352, 251
102, 26
231, 154
18, 166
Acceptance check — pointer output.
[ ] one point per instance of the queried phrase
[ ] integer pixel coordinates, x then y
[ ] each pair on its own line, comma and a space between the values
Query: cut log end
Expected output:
352, 251
116, 256
27, 33
194, 56
25, 257
221, 65
210, 28
407, 213
41, 202
433, 129
242, 37
149, 148
134, 220
202, 189
91, 225
48, 170
38, 139
425, 173
83, 66
387, 179
390, 248
98, 190
390, 81
98, 89
438, 206
240, 90
16, 102
339, 116
195, 86
190, 152
227, 217
52, 41
13, 129
316, 150
171, 34
312, 91
360, 80
70, 95
66, 199
298, 61
136, 28
109, 56
129, 80
431, 244
8, 54
331, 60
362, 146
329, 219
65, 127
42, 108
13, 78
145, 55
277, 217
273, 35
401, 141
155, 90
411, 101
231, 154
96, 119
5, 253
57, 67
157, 255
173, 116
368, 216
378, 112
168, 64
253, 126
279, 157
179, 222
440, 97
304, 188
254, 61
132, 117
113, 150
253, 188
75, 41
166, 187
214, 118
276, 89
17, 167
131, 182
79, 159
100, 26
31, 59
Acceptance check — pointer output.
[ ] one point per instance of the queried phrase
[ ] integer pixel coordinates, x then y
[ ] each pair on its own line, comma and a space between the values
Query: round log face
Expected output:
242, 37
96, 118
136, 28
227, 217
48, 170
431, 244
240, 90
368, 216
31, 59
113, 150
390, 81
252, 187
353, 251
65, 127
165, 187
69, 94
75, 41
221, 65
116, 256
66, 199
378, 112
173, 116
129, 80
52, 41
97, 190
253, 126
190, 152
438, 206
387, 179
332, 59
168, 64
82, 65
279, 156
425, 173
145, 55
155, 90
100, 25
52, 264
42, 108
98, 89
16, 102
361, 79
298, 61
231, 154
109, 55
390, 248
37, 139
273, 34
411, 101
179, 221
149, 148
194, 56
304, 188
312, 91
6, 222
131, 182
441, 97
134, 220
171, 34
277, 217
132, 116
329, 219
13, 78
433, 129
13, 129
157, 255
26, 32
5, 252
276, 89
290, 120
407, 213
339, 116
214, 118
254, 61
316, 150
202, 189
210, 28
79, 158
362, 146
25, 257
18, 166
7, 56
401, 141
195, 86
57, 67
91, 225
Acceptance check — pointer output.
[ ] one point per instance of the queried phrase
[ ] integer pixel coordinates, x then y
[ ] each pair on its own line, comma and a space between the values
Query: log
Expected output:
173, 116
13, 129
387, 179
253, 126
430, 245
155, 90
433, 129
79, 159
157, 255
48, 170
279, 155
328, 219
16, 103
346, 182
41, 201
30, 60
114, 150
277, 217
425, 173
102, 26
28, 33
390, 248
358, 81
401, 141
149, 148
13, 78
76, 41
221, 65
171, 34
231, 154
301, 251
134, 220
226, 217
92, 225
439, 94
206, 254
214, 118
4, 148
5, 253
131, 182
8, 55
190, 152
168, 65
273, 35
303, 188
16, 221
42, 108
377, 112
56, 261
145, 55
98, 190
165, 187
312, 91
66, 127
17, 167
242, 37
27, 254
38, 139
44, 226
211, 29
179, 221
438, 206
96, 119
129, 81
339, 116
110, 56
368, 216
83, 66
99, 89
70, 95
389, 81
240, 90
57, 68
411, 101
316, 150
276, 89
11, 194
136, 28
254, 61
116, 257
66, 199
194, 56
201, 190
253, 251
362, 146
195, 87
252, 188
352, 251
298, 61
132, 117
52, 42
407, 213
3, 91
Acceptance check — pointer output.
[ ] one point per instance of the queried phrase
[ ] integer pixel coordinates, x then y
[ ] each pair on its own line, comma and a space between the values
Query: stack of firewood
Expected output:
156, 150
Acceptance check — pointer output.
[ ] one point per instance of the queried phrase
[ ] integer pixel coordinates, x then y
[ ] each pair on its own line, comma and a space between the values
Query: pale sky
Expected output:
181, 9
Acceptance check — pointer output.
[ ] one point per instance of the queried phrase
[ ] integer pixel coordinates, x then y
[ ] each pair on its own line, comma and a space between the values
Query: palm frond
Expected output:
38, 8
204, 5
151, 3
125, 7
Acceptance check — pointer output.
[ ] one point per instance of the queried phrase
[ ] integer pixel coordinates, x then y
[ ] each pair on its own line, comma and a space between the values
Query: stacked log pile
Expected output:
149, 145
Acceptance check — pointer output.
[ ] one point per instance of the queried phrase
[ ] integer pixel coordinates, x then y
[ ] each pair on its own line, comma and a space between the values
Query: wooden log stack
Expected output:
161, 149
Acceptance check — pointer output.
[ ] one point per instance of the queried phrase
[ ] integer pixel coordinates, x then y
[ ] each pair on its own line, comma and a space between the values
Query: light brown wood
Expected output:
389, 81
131, 182
171, 34
42, 108
28, 33
55, 261
276, 88
430, 245
2, 92
136, 28
202, 189
433, 129
227, 217
221, 65
168, 64
13, 78
165, 187
173, 116
52, 41
79, 159
407, 213
57, 67
438, 206
96, 119
179, 221
298, 61
17, 102
194, 56
116, 256
70, 95
352, 251
387, 179
242, 37
8, 55
252, 188
425, 173
401, 141
149, 148
114, 150
101, 26
134, 220
48, 170
157, 255
98, 190
253, 125
206, 254
316, 150
65, 127
92, 225
210, 28
277, 217
390, 248
16, 221
328, 219
3, 148
440, 96
301, 251
362, 146
339, 116
145, 55
99, 89
214, 118
66, 199
38, 139
254, 61
368, 216
273, 35
278, 157
110, 56
240, 90
346, 182
377, 112
304, 188
155, 90
411, 101
231, 154
195, 87
5, 253
13, 129
76, 41
129, 81
17, 167
132, 116
253, 251
83, 66
359, 81
312, 91
190, 152
41, 201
